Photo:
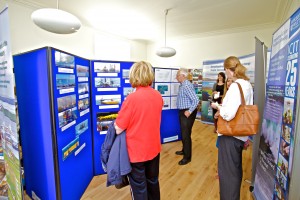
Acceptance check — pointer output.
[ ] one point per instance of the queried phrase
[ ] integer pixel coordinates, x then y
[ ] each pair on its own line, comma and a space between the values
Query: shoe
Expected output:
179, 152
184, 161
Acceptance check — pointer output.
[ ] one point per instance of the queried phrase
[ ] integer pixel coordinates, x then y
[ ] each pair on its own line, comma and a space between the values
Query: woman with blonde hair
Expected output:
140, 116
230, 148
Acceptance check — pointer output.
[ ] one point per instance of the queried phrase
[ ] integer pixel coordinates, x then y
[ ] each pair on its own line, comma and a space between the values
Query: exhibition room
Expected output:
133, 99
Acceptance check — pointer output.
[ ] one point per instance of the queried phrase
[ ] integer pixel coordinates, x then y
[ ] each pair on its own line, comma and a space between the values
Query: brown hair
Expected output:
141, 74
223, 75
233, 64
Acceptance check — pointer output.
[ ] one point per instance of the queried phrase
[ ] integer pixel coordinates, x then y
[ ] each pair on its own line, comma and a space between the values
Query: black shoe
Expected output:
184, 161
179, 152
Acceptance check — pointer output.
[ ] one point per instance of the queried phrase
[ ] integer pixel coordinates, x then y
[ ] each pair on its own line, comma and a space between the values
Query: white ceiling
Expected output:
145, 19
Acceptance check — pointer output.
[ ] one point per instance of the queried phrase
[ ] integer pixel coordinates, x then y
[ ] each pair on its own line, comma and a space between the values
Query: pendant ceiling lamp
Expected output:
56, 21
166, 51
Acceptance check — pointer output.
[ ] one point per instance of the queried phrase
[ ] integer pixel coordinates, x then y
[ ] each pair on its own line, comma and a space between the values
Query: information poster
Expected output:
211, 69
10, 176
274, 168
210, 75
197, 83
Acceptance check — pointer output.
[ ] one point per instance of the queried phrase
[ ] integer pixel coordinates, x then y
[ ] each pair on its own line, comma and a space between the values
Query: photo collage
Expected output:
108, 81
165, 82
72, 84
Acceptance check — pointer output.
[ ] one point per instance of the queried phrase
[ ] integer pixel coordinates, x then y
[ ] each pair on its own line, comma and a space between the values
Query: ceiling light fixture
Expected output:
56, 21
166, 51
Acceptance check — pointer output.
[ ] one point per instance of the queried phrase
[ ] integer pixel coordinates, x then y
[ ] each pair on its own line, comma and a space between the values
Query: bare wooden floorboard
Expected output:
194, 181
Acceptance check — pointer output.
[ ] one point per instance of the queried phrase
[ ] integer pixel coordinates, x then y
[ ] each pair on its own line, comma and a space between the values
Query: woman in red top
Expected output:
140, 116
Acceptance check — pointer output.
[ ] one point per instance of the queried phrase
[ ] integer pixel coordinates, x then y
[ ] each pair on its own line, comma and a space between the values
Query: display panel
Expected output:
53, 96
110, 86
71, 93
165, 82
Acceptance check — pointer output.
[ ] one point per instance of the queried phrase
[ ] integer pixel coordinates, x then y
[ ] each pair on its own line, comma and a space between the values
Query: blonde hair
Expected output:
233, 64
141, 74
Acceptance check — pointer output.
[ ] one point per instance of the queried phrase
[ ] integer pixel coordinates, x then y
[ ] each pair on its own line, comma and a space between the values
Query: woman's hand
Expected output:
214, 105
217, 114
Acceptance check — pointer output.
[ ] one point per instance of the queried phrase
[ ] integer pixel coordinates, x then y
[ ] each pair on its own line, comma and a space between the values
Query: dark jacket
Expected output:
114, 156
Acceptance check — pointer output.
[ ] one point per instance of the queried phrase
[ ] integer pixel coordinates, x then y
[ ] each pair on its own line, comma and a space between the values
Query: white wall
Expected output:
190, 52
26, 36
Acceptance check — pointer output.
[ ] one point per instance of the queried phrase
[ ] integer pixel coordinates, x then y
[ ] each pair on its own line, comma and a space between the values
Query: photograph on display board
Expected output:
3, 182
281, 179
286, 133
163, 88
283, 165
279, 193
174, 89
174, 75
104, 119
71, 147
106, 67
81, 127
66, 102
65, 81
64, 60
83, 104
82, 71
288, 110
107, 82
83, 88
162, 75
125, 73
167, 103
284, 149
67, 116
127, 91
174, 102
108, 99
1, 141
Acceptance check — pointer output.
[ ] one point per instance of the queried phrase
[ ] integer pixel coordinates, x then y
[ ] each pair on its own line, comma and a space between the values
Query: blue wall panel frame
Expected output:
47, 174
34, 114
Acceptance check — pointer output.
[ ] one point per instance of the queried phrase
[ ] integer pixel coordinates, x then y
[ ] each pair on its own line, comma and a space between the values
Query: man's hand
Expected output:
187, 113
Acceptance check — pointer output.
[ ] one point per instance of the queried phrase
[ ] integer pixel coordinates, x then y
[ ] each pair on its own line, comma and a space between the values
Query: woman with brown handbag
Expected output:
230, 148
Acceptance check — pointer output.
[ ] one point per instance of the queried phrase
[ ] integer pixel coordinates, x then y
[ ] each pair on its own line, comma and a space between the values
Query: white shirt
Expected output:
232, 101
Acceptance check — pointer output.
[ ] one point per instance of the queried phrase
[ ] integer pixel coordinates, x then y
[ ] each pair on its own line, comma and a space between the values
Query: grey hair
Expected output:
183, 71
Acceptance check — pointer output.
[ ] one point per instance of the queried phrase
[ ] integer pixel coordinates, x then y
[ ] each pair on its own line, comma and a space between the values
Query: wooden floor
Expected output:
196, 180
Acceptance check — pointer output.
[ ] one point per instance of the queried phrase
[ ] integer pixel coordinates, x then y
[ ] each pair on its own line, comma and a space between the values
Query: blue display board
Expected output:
165, 82
110, 86
55, 123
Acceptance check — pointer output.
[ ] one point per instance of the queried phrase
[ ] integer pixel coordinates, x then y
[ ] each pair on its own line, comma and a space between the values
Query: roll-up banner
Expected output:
274, 168
210, 74
10, 176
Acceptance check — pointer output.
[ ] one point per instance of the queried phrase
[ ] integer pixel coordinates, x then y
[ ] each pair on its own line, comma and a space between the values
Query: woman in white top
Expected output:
230, 148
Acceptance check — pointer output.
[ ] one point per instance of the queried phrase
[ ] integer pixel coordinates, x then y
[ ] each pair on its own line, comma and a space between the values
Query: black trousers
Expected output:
186, 125
143, 180
230, 167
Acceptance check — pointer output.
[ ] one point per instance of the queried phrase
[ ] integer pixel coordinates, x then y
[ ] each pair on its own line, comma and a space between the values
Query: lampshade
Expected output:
166, 52
56, 21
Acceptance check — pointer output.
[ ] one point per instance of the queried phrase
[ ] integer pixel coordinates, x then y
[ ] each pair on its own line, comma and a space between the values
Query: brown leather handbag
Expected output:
245, 122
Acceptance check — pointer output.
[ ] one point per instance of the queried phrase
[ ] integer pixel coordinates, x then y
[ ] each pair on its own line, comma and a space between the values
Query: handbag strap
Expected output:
242, 94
